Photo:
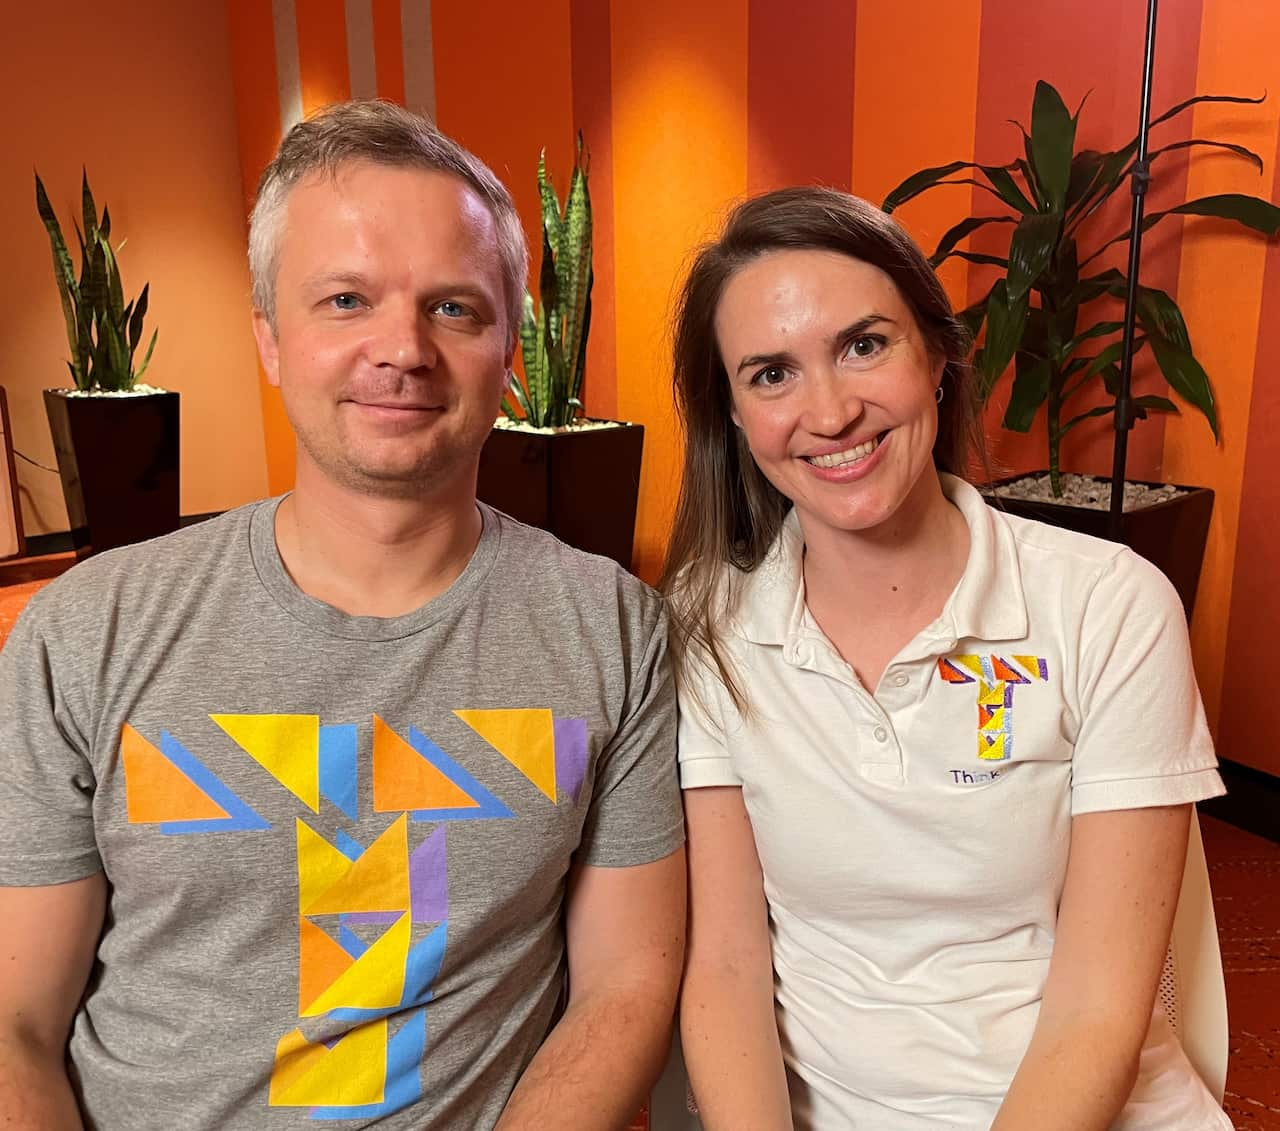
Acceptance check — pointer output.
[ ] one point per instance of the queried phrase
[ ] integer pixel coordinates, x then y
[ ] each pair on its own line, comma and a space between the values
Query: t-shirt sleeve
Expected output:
635, 816
46, 795
704, 703
1143, 739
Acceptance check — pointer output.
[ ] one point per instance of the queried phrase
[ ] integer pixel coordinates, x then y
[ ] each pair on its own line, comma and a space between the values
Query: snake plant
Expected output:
1050, 198
553, 335
102, 330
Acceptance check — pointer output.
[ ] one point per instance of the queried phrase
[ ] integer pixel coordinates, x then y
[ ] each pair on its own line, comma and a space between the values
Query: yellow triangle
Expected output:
375, 980
320, 866
994, 752
1029, 664
995, 724
286, 746
377, 881
524, 737
991, 694
351, 1074
971, 664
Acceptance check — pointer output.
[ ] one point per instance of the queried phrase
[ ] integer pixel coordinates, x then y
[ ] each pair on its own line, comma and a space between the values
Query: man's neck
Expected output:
370, 555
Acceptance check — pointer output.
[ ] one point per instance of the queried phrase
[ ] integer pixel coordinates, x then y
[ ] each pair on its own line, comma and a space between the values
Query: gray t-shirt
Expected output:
337, 846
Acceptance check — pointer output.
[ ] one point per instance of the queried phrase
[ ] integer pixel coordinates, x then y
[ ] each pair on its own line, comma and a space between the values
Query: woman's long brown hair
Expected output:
728, 513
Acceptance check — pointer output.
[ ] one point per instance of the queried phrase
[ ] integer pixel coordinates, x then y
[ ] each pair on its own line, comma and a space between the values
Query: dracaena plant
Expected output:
1037, 313
102, 330
553, 336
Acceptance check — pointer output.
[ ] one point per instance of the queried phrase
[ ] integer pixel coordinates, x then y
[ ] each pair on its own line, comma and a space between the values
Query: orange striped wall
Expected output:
687, 107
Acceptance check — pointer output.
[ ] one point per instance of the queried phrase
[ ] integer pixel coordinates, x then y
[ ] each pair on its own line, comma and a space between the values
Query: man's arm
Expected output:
50, 936
625, 938
1117, 909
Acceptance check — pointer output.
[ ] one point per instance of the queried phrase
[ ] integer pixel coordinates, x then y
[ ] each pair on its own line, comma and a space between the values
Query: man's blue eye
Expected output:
346, 301
452, 309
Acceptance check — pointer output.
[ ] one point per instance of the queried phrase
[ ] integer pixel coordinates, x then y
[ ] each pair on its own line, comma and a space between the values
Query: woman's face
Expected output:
832, 385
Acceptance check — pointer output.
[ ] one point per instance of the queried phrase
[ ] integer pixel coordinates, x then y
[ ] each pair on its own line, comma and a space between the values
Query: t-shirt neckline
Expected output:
334, 622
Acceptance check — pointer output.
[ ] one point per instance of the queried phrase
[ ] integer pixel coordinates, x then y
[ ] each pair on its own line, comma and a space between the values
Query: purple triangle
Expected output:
571, 756
429, 880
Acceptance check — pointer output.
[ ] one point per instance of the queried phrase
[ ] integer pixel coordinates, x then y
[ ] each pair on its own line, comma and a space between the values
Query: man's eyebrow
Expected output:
335, 278
853, 330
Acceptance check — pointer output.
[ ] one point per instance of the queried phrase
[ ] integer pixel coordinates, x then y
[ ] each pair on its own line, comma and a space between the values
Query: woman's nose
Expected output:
833, 404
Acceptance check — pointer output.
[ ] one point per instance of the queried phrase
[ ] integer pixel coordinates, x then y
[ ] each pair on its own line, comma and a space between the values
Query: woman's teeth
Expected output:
848, 456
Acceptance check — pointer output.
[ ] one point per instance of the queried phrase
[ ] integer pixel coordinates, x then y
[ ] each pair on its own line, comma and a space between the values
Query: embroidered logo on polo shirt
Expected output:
996, 677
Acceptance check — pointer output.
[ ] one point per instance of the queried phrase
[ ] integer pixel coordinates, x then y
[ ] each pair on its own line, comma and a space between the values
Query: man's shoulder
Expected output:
537, 559
143, 571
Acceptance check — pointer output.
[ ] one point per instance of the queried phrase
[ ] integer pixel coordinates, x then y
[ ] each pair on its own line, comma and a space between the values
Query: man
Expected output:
355, 775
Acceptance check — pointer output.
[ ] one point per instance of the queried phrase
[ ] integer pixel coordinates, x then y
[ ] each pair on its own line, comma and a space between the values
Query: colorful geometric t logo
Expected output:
996, 677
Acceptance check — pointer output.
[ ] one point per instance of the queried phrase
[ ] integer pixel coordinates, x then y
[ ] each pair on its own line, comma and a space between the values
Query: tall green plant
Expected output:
1049, 197
102, 331
553, 338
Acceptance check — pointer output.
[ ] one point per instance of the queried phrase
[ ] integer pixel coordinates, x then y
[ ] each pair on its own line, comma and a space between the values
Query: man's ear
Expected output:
268, 347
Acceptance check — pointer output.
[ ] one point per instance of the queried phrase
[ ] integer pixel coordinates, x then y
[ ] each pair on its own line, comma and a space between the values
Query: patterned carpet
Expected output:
1244, 871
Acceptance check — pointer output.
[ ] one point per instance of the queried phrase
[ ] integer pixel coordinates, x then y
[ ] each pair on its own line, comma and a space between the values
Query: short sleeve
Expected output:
635, 815
703, 750
46, 794
1143, 740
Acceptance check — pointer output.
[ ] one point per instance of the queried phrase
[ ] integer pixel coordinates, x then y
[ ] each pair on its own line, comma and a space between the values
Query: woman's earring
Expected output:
937, 396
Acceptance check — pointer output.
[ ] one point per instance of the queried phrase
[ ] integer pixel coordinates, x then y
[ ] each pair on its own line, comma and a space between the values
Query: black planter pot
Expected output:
581, 485
118, 461
1169, 534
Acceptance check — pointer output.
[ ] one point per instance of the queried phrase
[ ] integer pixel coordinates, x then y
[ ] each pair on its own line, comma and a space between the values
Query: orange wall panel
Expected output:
1220, 290
680, 156
322, 53
388, 49
915, 100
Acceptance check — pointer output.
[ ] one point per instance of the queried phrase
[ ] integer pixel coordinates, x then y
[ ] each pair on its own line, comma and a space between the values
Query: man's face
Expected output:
391, 344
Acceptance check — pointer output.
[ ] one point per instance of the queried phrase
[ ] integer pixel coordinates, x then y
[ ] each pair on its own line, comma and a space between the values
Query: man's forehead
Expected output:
370, 183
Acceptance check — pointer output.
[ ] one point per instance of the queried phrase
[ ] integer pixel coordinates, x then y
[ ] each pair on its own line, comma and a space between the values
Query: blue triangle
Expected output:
488, 806
338, 767
349, 847
240, 818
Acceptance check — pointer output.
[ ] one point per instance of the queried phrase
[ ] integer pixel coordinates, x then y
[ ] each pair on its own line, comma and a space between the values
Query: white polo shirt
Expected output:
914, 842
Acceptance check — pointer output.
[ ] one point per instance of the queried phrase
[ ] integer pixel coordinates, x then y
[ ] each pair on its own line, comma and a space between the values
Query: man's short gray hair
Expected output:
385, 134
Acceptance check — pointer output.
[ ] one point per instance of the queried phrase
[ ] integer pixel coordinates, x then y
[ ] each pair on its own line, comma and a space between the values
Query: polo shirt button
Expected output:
880, 734
901, 679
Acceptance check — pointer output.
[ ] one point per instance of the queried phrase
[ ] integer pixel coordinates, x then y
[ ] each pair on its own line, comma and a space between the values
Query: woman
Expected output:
938, 761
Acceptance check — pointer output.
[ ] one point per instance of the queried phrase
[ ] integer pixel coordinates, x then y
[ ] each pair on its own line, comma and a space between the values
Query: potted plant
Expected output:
116, 440
1038, 316
545, 463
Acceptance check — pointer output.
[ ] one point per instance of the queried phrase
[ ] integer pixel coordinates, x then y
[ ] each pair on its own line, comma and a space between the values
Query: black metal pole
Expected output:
1138, 181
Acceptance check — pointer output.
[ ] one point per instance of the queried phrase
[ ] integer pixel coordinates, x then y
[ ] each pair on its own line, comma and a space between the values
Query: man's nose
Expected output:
404, 337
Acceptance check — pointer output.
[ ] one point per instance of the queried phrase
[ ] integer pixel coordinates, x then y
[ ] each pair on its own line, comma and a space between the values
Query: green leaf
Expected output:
1085, 167
64, 276
575, 255
1030, 390
88, 211
1158, 312
1101, 410
1006, 323
1030, 250
1152, 403
1109, 356
1186, 377
1097, 330
146, 360
1053, 133
135, 319
978, 257
551, 218
962, 231
549, 290
1251, 211
917, 183
1240, 150
1007, 188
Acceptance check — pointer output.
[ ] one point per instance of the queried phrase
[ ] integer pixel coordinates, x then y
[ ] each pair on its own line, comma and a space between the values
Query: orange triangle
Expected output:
403, 779
1004, 671
321, 962
156, 790
951, 673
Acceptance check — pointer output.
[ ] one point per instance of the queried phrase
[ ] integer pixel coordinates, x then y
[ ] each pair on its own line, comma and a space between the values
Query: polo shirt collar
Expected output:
987, 604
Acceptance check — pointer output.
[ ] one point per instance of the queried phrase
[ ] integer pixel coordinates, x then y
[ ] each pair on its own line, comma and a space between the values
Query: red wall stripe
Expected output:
388, 50
800, 93
322, 53
593, 115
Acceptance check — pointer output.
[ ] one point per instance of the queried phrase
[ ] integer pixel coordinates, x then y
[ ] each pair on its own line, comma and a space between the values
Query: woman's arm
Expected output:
1121, 891
727, 1021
